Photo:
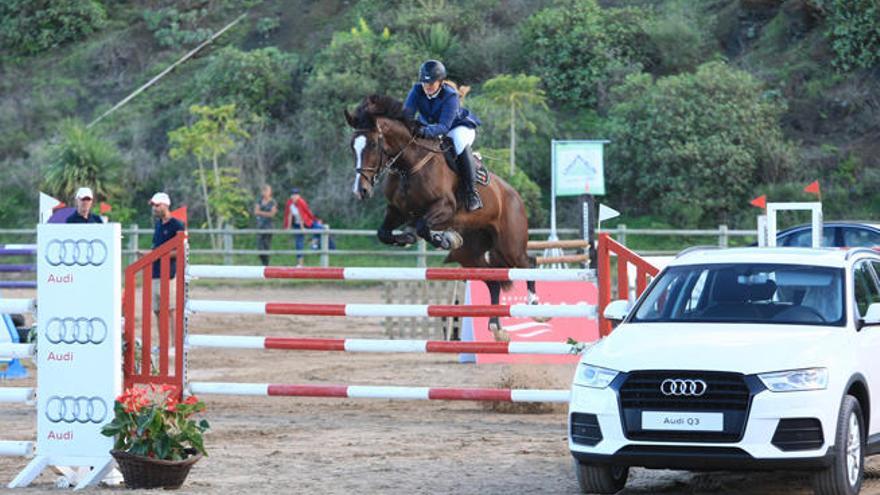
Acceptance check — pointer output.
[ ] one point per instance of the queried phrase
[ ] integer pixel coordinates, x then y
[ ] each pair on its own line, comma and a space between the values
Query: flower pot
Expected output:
147, 472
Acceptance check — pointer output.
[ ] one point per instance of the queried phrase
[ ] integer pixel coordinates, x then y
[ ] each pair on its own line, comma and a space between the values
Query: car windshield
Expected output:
750, 293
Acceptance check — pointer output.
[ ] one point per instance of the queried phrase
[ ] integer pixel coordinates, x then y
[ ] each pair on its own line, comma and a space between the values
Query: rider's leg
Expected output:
463, 137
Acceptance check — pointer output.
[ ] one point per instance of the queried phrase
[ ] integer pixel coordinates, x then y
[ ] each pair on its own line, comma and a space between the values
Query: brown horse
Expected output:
422, 199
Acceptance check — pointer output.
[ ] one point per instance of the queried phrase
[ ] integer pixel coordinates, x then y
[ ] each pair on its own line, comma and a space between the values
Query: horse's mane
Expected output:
381, 106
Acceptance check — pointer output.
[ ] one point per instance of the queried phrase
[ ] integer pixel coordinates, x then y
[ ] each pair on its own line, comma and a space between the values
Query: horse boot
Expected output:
467, 172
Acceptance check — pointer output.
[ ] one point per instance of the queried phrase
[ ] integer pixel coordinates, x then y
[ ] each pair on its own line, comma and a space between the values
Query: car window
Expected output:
856, 237
866, 291
747, 293
804, 238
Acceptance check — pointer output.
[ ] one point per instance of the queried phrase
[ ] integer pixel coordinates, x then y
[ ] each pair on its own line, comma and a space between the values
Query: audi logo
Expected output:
76, 330
81, 409
76, 252
683, 387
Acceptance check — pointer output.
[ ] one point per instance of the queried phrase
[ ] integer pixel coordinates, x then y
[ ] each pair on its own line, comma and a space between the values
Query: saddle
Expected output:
452, 162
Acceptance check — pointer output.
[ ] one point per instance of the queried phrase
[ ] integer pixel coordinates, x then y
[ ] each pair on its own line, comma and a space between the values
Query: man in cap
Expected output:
83, 213
166, 228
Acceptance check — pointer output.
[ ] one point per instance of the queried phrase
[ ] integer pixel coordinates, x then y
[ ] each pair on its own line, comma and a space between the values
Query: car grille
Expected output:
727, 393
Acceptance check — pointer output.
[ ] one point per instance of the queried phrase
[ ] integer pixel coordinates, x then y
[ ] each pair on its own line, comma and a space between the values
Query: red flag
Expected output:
104, 208
180, 214
813, 188
759, 202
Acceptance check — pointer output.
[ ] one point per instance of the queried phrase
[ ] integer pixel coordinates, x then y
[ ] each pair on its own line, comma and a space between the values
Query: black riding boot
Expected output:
467, 172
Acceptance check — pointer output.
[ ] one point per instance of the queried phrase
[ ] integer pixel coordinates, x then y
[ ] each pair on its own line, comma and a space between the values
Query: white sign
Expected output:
79, 356
578, 167
682, 421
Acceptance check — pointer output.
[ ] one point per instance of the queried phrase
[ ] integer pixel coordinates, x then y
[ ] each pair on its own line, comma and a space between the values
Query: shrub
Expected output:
172, 28
82, 158
576, 46
32, 26
259, 81
854, 32
694, 146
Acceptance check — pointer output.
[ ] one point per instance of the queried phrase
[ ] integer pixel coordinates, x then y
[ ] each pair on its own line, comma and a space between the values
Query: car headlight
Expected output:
796, 380
594, 376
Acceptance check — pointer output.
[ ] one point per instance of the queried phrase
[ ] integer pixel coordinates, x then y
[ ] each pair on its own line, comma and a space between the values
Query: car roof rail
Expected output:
694, 249
861, 250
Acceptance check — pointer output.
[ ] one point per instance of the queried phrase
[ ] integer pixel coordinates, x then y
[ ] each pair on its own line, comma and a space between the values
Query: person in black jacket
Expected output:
83, 213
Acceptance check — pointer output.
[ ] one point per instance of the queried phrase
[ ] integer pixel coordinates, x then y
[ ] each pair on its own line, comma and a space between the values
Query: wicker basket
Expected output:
146, 472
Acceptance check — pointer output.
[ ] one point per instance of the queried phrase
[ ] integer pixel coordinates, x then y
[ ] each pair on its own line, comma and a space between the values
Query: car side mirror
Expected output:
872, 316
617, 310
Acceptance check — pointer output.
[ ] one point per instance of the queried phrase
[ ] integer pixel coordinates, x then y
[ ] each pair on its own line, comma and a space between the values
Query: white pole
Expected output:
553, 191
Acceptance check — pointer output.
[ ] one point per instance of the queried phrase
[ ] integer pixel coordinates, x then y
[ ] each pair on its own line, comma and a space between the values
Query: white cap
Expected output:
84, 192
160, 198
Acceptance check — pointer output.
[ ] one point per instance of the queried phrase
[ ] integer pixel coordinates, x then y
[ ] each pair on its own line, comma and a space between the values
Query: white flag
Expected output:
47, 204
607, 213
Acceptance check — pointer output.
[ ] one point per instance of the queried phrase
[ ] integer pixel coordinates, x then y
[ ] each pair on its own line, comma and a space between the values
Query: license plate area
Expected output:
682, 421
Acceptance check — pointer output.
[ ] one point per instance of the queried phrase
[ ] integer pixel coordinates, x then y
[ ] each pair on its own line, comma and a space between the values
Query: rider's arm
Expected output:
409, 106
447, 117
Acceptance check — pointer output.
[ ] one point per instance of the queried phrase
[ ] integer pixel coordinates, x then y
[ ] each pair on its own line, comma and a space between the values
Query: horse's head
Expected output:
379, 128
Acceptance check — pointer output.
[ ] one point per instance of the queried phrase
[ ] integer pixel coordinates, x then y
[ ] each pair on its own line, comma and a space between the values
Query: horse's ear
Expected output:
349, 118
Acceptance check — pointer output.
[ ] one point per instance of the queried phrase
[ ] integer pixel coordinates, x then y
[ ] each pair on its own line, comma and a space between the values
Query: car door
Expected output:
804, 237
867, 291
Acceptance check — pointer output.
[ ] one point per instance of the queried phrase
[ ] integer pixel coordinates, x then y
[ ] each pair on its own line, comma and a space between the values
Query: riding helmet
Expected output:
432, 70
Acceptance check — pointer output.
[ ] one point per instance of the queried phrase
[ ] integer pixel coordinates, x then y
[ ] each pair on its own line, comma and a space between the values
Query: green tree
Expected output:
258, 81
520, 96
528, 190
208, 139
82, 159
854, 32
577, 46
33, 26
695, 146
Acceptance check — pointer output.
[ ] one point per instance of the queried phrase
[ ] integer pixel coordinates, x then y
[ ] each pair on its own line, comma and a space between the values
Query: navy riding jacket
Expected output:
439, 114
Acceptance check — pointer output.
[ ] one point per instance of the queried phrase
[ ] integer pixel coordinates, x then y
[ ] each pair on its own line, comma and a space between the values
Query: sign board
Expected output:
79, 282
578, 167
528, 329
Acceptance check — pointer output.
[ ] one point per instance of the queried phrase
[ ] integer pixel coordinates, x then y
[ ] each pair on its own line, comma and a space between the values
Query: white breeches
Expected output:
462, 137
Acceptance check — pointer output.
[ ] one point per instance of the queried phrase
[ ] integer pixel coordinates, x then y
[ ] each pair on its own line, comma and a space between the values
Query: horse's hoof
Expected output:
541, 319
500, 335
454, 239
405, 239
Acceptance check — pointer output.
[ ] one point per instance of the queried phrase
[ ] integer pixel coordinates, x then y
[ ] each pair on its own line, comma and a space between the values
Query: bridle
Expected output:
377, 171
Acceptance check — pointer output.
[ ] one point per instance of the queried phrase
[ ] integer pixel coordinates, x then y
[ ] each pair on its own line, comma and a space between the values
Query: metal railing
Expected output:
230, 242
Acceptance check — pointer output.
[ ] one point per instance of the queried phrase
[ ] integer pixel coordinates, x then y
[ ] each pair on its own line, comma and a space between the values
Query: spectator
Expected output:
165, 229
265, 210
298, 216
83, 213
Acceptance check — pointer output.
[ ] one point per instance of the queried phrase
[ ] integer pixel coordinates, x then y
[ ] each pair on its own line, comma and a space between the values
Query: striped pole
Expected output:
7, 268
16, 395
376, 345
18, 284
14, 448
378, 392
9, 306
17, 250
495, 274
16, 351
396, 310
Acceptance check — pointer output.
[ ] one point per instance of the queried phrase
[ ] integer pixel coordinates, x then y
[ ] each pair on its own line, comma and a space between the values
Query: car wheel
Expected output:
844, 476
600, 478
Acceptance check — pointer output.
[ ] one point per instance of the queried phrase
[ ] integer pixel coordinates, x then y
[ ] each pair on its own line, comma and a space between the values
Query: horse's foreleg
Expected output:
498, 333
434, 226
394, 218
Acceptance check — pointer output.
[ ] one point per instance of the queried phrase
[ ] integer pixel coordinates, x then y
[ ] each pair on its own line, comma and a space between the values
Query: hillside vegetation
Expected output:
707, 103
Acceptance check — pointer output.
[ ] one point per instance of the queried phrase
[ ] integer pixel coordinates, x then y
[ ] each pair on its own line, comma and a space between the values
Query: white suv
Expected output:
755, 358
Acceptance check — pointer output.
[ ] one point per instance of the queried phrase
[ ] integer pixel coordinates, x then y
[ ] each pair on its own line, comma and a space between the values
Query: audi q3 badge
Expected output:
76, 252
80, 409
76, 331
681, 387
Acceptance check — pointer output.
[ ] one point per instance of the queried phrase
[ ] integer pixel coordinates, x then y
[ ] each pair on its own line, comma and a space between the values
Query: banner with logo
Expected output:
531, 330
578, 167
79, 358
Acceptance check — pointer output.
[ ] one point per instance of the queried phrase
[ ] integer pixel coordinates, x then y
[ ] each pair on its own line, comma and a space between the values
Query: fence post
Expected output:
621, 234
421, 259
133, 244
723, 236
227, 245
325, 248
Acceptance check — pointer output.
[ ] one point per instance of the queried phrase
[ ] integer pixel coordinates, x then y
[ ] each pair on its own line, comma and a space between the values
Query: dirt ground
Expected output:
331, 446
